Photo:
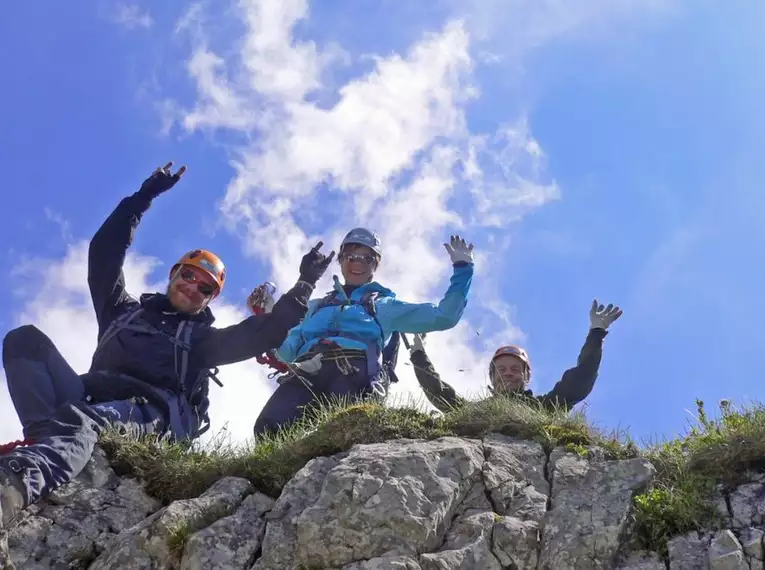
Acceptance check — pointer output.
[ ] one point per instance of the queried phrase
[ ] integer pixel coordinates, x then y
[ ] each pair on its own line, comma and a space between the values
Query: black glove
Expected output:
314, 264
160, 181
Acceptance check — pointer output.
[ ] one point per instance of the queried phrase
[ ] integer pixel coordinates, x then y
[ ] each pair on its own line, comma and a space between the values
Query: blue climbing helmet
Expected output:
363, 236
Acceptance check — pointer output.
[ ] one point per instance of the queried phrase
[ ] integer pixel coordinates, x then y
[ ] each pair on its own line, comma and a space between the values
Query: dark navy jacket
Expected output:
145, 359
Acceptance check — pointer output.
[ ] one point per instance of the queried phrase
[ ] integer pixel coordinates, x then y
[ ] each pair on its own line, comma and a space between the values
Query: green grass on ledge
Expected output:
713, 452
173, 471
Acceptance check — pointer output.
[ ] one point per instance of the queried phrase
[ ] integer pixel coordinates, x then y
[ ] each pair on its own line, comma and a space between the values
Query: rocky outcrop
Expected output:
446, 504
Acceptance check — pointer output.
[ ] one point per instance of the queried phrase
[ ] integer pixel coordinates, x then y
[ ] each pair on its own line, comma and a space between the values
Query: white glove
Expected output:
459, 250
417, 343
602, 316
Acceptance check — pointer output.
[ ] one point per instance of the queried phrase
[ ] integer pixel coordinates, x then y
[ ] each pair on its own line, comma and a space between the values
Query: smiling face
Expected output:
509, 374
358, 264
191, 289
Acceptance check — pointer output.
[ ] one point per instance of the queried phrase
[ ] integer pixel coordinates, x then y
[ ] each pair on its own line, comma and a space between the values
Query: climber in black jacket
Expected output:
510, 369
155, 357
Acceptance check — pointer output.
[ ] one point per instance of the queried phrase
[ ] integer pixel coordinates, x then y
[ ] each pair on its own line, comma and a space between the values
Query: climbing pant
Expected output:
342, 374
39, 379
64, 443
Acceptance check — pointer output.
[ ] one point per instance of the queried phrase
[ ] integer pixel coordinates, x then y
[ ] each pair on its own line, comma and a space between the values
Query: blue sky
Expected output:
640, 126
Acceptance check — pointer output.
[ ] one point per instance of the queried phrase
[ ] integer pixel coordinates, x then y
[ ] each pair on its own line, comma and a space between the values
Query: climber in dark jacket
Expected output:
510, 369
155, 357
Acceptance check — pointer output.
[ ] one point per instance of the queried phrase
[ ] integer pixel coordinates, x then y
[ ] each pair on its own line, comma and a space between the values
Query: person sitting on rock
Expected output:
151, 369
336, 350
510, 369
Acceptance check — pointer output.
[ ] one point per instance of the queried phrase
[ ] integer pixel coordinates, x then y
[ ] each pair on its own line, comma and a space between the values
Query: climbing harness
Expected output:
270, 359
377, 372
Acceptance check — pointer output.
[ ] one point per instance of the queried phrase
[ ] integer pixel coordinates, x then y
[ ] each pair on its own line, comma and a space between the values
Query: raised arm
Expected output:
260, 333
427, 317
256, 334
438, 392
577, 382
109, 246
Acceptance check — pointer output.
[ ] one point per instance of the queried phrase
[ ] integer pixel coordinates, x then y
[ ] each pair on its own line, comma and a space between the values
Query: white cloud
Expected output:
390, 148
131, 17
393, 152
58, 303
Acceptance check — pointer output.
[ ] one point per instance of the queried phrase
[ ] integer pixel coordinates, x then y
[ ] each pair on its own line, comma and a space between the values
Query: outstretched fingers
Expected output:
165, 170
610, 311
327, 259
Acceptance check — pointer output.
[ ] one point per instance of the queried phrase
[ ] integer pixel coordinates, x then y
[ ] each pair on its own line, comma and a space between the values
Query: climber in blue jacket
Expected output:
336, 351
155, 358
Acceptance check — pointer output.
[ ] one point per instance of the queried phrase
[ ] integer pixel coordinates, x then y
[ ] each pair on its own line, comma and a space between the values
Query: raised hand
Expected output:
314, 264
417, 343
601, 316
161, 180
459, 250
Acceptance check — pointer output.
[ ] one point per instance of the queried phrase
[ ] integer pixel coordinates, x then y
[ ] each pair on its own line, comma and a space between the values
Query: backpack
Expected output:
381, 365
197, 393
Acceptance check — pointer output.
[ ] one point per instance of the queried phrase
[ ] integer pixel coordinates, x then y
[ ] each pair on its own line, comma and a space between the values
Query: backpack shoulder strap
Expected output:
116, 326
182, 349
327, 300
390, 356
369, 303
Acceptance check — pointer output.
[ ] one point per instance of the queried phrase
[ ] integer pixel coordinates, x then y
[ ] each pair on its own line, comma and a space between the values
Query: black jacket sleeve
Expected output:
256, 334
106, 256
438, 392
577, 382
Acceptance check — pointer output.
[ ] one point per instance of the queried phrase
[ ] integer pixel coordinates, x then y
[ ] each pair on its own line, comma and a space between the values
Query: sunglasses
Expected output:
368, 259
190, 277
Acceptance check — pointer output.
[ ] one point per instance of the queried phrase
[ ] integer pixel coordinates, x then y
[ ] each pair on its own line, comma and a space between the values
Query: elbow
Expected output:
580, 395
94, 246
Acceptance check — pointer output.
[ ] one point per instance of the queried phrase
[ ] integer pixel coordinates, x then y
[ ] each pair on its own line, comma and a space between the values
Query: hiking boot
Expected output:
11, 498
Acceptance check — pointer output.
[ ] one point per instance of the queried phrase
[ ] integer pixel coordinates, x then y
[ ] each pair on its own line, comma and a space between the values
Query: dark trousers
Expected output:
48, 395
289, 401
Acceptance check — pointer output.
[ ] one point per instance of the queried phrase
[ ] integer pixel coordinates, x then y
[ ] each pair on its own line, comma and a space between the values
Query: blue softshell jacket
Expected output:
392, 315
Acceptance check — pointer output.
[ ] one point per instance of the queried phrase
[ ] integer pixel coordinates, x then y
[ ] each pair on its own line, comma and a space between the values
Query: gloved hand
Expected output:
602, 316
314, 264
459, 250
160, 181
417, 343
261, 300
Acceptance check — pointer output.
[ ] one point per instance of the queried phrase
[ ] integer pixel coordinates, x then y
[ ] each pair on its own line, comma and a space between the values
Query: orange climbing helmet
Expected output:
514, 351
208, 262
